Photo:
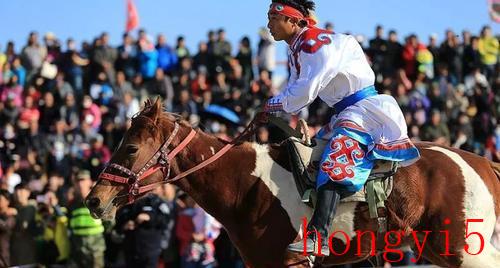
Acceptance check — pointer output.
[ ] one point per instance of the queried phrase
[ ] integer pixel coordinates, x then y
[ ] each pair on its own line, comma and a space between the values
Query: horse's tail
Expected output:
496, 168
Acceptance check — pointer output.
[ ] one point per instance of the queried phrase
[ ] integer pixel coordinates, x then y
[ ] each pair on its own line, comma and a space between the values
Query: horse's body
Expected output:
251, 191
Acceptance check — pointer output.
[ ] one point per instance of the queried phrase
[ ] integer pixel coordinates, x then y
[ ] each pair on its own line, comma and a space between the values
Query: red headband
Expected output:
291, 12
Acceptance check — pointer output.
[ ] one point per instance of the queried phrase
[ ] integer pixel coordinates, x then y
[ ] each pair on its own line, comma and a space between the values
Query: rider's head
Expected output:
288, 17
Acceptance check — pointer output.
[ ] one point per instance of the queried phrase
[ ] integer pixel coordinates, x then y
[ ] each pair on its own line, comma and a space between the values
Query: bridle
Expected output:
161, 161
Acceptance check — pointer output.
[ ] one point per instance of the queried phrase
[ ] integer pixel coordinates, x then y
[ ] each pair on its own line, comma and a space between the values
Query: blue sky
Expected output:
83, 19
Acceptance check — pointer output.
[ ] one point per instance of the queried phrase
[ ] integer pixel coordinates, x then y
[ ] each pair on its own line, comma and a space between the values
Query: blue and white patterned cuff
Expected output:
274, 105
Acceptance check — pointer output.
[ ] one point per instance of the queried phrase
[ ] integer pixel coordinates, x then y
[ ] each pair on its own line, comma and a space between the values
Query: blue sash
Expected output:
354, 98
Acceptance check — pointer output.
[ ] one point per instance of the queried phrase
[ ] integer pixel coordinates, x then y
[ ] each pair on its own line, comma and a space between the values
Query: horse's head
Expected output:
140, 163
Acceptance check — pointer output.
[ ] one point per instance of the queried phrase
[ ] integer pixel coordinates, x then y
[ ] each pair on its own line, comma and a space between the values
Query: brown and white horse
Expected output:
444, 206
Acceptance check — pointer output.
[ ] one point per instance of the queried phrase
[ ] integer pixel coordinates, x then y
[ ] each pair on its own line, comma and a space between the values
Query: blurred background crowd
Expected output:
64, 108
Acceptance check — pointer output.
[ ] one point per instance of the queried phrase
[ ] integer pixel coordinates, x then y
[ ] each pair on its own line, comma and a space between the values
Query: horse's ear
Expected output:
153, 110
147, 104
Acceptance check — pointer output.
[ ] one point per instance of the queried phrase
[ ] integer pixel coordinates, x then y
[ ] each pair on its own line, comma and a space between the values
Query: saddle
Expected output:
305, 155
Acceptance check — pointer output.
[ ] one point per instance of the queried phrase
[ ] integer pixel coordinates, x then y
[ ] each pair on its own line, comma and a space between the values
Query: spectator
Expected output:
245, 58
410, 56
143, 224
53, 47
73, 67
49, 113
148, 58
29, 113
53, 243
220, 89
212, 62
222, 50
262, 88
105, 56
121, 86
167, 57
181, 50
97, 156
434, 49
128, 108
186, 107
450, 57
202, 59
69, 112
488, 48
23, 247
62, 88
162, 86
436, 131
394, 60
101, 90
266, 52
59, 160
19, 71
59, 135
194, 248
33, 55
10, 52
12, 91
199, 86
463, 133
91, 113
7, 223
472, 56
377, 50
11, 177
10, 112
128, 54
87, 240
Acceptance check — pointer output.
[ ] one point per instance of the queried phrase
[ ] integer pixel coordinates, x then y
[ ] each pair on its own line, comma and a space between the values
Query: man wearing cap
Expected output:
87, 240
367, 126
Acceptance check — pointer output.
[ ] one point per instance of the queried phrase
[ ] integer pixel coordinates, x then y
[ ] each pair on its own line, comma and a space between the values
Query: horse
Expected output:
444, 206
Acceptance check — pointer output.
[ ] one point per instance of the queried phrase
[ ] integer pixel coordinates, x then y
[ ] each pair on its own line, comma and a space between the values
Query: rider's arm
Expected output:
314, 75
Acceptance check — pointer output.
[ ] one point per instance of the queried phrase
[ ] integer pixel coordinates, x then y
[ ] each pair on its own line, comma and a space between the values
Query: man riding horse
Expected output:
367, 126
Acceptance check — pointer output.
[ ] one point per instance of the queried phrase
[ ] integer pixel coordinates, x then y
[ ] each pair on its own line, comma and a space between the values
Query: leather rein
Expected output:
160, 161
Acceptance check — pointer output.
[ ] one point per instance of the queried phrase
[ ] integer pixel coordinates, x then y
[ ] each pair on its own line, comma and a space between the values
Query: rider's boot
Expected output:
319, 226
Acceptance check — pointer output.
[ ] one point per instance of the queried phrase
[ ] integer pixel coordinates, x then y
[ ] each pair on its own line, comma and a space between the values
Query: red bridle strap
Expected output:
149, 187
202, 164
161, 161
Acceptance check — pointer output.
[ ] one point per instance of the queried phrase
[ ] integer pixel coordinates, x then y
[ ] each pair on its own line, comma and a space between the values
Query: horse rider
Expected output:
367, 126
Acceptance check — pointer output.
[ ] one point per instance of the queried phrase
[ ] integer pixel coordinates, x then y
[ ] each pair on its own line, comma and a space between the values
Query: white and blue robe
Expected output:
367, 126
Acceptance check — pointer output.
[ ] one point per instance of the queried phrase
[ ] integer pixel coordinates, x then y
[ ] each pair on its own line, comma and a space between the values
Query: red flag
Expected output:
494, 7
132, 16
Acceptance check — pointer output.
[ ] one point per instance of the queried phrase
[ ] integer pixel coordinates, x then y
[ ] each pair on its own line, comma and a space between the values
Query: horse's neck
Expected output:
210, 186
228, 184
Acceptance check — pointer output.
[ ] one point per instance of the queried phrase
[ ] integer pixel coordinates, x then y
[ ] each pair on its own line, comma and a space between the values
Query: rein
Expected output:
161, 161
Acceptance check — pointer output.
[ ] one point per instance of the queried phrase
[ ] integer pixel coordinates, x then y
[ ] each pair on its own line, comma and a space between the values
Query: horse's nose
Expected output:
93, 203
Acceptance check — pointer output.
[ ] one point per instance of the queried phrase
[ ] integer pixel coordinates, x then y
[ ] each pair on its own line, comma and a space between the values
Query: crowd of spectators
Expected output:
64, 109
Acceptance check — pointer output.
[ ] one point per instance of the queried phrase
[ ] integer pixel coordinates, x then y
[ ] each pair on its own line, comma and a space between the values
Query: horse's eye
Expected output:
131, 149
